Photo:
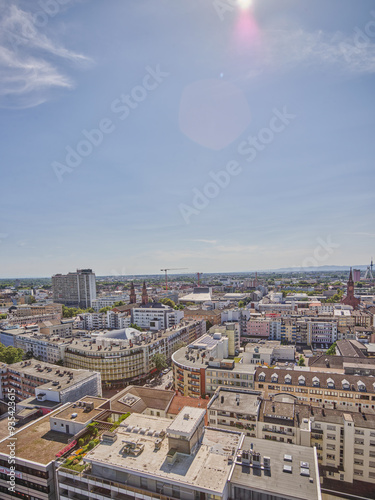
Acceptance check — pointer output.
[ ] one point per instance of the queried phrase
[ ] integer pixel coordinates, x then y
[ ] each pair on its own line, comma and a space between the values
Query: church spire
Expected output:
350, 276
144, 294
133, 298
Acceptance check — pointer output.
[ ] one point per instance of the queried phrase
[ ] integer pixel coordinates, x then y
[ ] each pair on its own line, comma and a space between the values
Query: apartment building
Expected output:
257, 329
268, 352
75, 289
126, 355
156, 316
42, 347
203, 366
234, 408
47, 382
60, 329
321, 332
184, 459
33, 319
350, 391
108, 301
36, 310
344, 438
232, 332
197, 313
35, 455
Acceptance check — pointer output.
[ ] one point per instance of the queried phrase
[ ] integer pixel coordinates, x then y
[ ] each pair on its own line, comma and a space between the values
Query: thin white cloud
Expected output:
210, 242
370, 235
287, 49
31, 64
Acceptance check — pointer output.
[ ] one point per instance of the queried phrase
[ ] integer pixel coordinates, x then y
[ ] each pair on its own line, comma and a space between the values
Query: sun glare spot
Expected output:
244, 4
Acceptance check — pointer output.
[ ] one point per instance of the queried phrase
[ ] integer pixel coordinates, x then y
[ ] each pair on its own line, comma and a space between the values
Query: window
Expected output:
330, 383
316, 382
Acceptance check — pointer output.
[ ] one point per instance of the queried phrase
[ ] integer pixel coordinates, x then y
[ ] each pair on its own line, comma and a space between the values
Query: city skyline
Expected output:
205, 135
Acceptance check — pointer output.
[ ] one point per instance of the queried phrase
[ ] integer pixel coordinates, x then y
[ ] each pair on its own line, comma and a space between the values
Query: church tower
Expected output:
350, 299
133, 297
144, 294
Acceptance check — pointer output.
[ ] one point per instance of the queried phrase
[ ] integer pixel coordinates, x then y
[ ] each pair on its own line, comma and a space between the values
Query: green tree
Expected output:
70, 312
159, 361
105, 309
134, 325
168, 302
119, 303
332, 350
3, 316
208, 324
301, 361
10, 354
241, 304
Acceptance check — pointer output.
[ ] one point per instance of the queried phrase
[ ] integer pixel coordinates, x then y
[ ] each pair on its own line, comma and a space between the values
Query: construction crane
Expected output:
171, 269
199, 275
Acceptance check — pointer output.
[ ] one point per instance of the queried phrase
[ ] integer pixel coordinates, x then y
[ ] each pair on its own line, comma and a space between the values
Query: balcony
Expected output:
316, 436
277, 431
101, 488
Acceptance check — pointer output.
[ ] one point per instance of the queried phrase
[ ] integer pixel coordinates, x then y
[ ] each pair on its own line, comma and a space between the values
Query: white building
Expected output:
156, 316
43, 347
75, 289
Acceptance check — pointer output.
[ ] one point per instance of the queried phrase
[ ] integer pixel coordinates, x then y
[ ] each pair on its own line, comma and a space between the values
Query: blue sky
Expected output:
180, 90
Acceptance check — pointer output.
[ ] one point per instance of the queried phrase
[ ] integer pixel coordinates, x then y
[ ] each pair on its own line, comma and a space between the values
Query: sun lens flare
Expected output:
244, 4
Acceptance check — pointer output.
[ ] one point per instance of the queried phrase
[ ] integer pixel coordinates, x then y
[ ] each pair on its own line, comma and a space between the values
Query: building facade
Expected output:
75, 289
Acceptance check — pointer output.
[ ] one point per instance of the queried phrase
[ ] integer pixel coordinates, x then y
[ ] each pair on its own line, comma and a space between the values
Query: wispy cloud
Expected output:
31, 63
282, 50
210, 242
370, 235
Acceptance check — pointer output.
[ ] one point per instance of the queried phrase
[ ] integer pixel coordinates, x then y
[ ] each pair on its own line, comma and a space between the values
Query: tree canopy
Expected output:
159, 361
70, 312
105, 309
301, 361
10, 354
134, 325
168, 302
332, 350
